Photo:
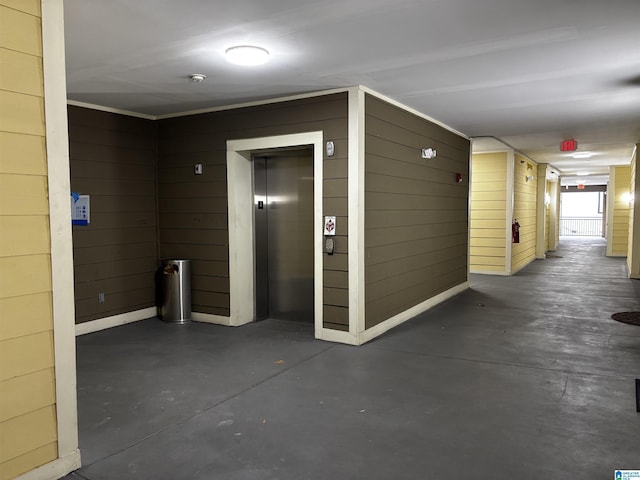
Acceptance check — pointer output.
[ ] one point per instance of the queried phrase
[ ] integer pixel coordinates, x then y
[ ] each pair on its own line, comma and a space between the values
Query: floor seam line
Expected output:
487, 362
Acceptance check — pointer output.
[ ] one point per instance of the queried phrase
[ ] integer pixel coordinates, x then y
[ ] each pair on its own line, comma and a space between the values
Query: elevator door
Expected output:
284, 234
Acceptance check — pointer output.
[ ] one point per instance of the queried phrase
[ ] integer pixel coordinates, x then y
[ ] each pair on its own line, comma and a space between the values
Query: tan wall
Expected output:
620, 214
193, 209
524, 210
488, 212
113, 159
415, 212
28, 435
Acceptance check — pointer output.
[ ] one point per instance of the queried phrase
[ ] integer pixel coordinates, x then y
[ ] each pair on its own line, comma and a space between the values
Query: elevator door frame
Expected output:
240, 188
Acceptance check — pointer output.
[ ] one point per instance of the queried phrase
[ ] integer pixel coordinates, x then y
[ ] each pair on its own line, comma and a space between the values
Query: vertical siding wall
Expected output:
28, 435
488, 212
113, 159
415, 212
524, 209
193, 209
620, 214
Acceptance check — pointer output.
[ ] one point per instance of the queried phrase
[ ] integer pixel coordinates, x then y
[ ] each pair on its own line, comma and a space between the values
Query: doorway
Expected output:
242, 236
283, 216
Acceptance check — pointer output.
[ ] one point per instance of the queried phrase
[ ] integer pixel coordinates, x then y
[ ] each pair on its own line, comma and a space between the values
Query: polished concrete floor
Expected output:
524, 377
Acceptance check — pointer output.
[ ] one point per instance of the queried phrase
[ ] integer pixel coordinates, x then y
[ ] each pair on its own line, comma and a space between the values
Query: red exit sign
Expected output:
569, 146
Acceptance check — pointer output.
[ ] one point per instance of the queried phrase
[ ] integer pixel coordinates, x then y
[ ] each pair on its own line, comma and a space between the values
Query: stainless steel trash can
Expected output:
176, 291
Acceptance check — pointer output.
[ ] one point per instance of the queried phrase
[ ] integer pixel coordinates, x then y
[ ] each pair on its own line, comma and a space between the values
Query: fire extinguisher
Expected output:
515, 231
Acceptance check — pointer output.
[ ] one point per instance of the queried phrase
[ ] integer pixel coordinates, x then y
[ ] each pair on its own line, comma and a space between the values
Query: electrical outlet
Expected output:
101, 297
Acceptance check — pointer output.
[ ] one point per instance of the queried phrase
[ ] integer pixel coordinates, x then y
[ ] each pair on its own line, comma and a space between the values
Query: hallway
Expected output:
522, 377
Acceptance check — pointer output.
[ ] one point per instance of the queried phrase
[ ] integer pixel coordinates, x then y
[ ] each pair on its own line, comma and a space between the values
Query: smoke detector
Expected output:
197, 77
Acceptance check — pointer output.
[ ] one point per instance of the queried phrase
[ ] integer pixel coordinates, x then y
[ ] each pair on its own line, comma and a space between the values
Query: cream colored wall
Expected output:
621, 182
28, 430
524, 210
488, 212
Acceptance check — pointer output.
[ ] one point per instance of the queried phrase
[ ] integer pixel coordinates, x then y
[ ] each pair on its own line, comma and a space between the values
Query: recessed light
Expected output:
247, 55
582, 155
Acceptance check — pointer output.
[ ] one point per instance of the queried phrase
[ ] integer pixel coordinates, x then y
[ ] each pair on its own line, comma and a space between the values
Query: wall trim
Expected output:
92, 106
269, 101
241, 221
508, 260
410, 313
412, 110
59, 184
210, 318
115, 321
338, 336
56, 469
541, 210
611, 200
490, 272
257, 103
356, 194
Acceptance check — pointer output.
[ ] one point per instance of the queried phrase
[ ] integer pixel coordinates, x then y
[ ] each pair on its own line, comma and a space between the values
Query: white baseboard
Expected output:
337, 336
115, 321
54, 470
490, 272
396, 320
209, 318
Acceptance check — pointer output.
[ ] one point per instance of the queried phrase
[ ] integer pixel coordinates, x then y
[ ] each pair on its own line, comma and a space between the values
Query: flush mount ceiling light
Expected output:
582, 155
247, 55
197, 77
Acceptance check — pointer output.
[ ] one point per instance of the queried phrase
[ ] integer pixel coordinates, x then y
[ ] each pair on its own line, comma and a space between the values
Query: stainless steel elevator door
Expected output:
284, 234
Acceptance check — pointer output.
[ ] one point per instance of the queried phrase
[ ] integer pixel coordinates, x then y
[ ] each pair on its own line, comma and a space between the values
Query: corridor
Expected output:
522, 377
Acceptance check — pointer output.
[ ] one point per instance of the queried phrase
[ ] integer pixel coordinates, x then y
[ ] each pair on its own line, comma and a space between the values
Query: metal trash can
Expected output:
176, 291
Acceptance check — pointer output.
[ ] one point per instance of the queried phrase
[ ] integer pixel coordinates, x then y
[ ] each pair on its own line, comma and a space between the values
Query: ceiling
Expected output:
529, 73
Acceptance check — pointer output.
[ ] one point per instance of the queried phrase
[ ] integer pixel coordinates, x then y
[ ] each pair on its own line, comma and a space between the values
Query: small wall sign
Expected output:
80, 209
329, 225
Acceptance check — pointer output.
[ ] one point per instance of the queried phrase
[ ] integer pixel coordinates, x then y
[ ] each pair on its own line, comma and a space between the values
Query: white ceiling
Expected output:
530, 72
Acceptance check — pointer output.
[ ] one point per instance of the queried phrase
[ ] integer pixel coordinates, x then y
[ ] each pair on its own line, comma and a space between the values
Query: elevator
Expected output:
283, 216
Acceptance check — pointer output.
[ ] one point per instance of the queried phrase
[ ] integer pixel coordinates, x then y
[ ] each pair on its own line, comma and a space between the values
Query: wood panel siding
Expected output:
28, 435
620, 215
487, 238
415, 212
193, 209
113, 159
524, 210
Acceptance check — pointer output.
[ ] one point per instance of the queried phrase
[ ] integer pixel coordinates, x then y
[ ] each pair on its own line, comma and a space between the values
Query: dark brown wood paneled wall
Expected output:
113, 159
193, 208
415, 213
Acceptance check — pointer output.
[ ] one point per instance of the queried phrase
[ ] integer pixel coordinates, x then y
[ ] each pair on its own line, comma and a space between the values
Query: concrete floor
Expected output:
523, 377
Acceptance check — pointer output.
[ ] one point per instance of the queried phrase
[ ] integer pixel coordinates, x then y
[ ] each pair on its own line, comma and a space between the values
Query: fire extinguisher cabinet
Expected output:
176, 291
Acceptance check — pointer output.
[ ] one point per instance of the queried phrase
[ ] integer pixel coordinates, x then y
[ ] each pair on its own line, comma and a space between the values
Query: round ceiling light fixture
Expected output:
197, 77
582, 155
247, 55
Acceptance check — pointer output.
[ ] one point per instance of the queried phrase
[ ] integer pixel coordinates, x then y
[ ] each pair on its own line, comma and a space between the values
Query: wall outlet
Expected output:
101, 297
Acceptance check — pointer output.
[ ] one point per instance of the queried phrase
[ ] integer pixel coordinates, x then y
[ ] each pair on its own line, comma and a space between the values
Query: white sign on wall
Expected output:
80, 209
330, 225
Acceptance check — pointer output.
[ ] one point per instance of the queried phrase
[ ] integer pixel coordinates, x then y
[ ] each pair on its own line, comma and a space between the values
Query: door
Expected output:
284, 234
